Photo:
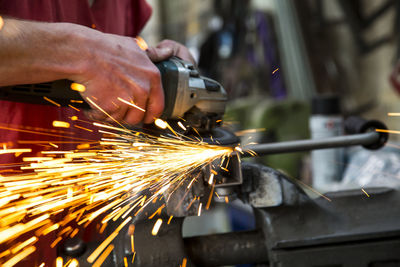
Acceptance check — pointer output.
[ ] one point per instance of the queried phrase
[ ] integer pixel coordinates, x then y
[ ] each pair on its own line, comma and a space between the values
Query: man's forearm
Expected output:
33, 52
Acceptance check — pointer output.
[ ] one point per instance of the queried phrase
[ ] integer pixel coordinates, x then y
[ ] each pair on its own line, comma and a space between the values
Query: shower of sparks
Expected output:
113, 179
275, 70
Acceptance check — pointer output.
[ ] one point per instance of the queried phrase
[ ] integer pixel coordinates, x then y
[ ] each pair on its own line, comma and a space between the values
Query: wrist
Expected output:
73, 51
37, 52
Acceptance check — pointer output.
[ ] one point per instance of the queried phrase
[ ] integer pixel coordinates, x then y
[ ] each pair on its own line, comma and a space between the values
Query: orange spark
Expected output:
387, 131
1, 23
73, 263
211, 179
103, 256
61, 124
51, 101
20, 256
199, 211
170, 218
133, 257
102, 110
181, 125
158, 211
131, 104
210, 196
55, 242
59, 262
132, 243
53, 145
365, 192
161, 124
78, 87
141, 43
71, 106
184, 261
156, 227
83, 128
15, 150
107, 241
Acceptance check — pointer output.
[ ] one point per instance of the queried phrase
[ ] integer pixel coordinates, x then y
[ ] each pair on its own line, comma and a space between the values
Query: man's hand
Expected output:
109, 66
167, 49
118, 68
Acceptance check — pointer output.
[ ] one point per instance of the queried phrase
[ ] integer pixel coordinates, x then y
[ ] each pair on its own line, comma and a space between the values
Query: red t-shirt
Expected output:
123, 17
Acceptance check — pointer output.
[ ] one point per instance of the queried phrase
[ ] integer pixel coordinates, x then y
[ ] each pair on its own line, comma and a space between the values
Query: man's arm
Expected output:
109, 66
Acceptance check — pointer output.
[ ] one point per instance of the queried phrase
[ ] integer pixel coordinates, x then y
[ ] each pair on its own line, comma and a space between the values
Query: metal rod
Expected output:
248, 247
312, 144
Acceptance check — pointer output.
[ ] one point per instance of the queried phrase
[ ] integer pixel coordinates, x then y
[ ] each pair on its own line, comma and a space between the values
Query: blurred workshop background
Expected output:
274, 56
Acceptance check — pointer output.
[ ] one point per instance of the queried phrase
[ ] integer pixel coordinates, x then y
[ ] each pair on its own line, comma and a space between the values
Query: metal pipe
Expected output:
312, 144
248, 247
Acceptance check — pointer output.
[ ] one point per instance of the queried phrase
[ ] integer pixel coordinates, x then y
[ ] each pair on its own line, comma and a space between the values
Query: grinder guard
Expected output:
198, 100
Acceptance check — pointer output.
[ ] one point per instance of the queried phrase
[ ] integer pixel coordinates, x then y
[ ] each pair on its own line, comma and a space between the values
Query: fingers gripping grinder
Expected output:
198, 100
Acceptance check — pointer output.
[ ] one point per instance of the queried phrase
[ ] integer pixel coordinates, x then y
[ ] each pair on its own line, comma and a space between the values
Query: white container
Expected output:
327, 164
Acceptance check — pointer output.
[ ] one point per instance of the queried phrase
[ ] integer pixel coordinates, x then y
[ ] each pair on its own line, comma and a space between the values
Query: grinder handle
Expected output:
58, 91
